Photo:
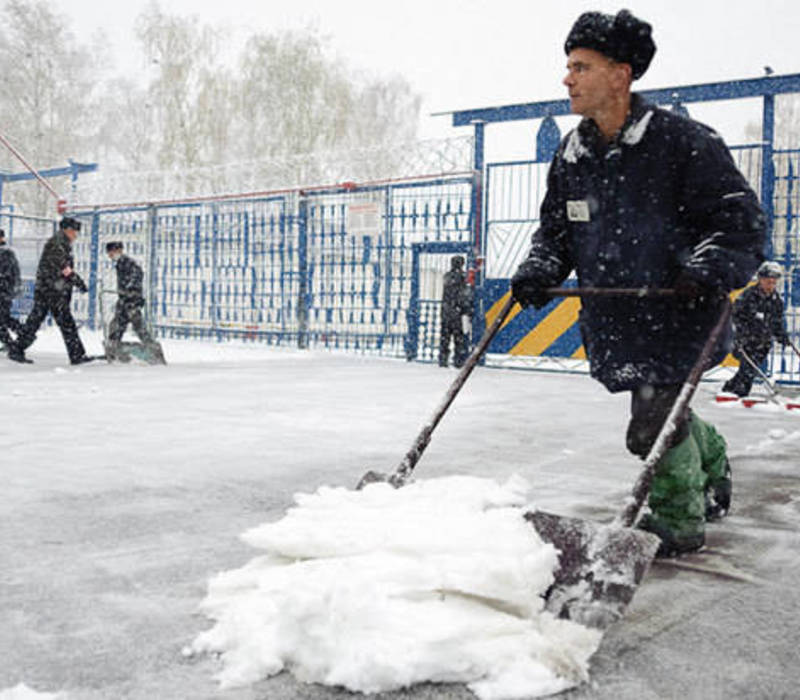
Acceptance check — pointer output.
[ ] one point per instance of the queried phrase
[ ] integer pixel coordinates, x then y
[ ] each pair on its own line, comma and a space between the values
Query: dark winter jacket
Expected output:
456, 297
664, 197
129, 281
9, 273
758, 318
56, 256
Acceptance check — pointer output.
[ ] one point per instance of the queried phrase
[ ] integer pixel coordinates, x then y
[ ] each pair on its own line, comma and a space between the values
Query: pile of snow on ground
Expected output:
23, 692
382, 588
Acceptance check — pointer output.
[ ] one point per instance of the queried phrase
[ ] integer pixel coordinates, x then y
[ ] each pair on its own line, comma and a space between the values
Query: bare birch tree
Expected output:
49, 84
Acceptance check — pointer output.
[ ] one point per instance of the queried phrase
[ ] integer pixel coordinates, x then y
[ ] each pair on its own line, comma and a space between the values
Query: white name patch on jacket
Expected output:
577, 210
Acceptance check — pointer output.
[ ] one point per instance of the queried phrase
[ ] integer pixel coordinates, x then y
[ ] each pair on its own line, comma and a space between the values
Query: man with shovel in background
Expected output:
55, 278
128, 309
641, 197
757, 317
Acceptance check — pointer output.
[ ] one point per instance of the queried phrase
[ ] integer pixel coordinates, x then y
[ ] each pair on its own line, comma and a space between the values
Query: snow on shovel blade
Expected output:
600, 567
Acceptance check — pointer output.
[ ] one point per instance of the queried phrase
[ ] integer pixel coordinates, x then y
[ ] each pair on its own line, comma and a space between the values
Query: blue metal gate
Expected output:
514, 190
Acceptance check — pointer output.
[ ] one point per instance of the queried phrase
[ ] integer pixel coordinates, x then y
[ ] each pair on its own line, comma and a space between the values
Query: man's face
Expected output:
71, 233
593, 81
767, 284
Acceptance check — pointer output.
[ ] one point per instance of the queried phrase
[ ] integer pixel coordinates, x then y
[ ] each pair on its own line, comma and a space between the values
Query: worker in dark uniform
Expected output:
55, 278
130, 303
757, 319
456, 303
9, 288
638, 196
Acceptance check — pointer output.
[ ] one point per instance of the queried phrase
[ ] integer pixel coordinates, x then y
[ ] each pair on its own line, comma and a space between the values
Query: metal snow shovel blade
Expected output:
773, 390
151, 354
601, 566
403, 472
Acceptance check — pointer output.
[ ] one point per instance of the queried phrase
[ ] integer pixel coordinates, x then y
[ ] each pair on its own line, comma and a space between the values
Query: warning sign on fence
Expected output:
365, 218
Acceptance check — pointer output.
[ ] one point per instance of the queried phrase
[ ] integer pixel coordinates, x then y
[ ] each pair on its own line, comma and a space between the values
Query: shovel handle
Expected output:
406, 467
764, 378
609, 292
627, 517
412, 456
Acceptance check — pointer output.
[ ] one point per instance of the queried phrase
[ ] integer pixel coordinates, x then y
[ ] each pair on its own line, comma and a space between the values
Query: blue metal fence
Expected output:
26, 235
324, 267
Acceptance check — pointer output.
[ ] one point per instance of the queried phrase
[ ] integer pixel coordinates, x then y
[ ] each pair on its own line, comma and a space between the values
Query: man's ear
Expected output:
624, 74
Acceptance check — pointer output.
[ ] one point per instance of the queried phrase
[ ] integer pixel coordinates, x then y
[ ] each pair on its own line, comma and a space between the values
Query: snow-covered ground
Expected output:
126, 490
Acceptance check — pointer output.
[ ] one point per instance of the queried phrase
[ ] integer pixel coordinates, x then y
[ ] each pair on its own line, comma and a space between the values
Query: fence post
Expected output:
214, 290
302, 271
94, 261
479, 237
388, 231
768, 168
412, 319
150, 266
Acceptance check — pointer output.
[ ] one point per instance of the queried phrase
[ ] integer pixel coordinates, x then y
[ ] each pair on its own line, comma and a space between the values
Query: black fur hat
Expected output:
69, 222
621, 37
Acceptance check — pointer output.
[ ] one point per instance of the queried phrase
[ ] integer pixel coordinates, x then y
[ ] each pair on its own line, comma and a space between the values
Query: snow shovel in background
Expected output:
601, 566
403, 472
149, 353
773, 390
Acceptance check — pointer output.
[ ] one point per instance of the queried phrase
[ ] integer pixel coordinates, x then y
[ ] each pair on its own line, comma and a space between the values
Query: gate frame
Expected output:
548, 138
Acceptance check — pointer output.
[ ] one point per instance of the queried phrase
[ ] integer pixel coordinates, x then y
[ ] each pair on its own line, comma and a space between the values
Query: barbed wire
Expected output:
440, 156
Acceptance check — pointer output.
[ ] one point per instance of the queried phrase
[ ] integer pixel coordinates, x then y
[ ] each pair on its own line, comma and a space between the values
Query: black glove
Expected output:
526, 288
688, 288
77, 280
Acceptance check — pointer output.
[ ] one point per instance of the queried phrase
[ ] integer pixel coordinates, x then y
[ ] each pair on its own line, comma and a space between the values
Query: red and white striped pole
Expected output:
61, 203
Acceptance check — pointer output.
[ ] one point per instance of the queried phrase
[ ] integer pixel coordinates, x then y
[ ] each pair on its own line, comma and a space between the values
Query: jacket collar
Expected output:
632, 131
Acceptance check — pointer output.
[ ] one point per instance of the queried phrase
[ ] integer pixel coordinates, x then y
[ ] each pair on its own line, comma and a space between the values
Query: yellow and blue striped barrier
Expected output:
552, 331
548, 332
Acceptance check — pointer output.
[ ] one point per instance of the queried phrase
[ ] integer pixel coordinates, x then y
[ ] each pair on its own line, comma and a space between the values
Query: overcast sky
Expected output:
472, 53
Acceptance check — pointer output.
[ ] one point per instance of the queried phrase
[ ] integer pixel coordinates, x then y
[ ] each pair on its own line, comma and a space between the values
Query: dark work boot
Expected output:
718, 496
83, 359
672, 543
17, 354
